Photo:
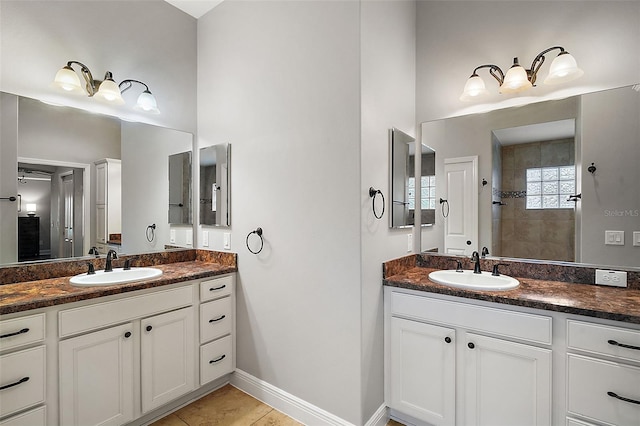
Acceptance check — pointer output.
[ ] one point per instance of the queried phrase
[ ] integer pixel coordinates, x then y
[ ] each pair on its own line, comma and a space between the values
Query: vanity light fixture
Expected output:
518, 79
106, 90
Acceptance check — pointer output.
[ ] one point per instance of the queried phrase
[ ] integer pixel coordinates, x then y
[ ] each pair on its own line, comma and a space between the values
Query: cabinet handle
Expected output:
127, 334
24, 379
471, 345
149, 328
213, 361
217, 319
622, 345
24, 330
622, 398
447, 339
217, 288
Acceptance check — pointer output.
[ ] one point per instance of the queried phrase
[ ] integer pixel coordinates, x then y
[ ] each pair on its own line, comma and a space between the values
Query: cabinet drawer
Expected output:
590, 380
215, 319
21, 331
214, 289
23, 376
35, 417
216, 359
86, 318
604, 340
510, 324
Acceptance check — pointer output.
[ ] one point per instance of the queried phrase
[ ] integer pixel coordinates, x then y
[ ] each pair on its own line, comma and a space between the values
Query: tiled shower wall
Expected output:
535, 234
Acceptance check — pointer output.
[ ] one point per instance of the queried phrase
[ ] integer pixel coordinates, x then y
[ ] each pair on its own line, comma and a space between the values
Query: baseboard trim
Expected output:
380, 417
284, 402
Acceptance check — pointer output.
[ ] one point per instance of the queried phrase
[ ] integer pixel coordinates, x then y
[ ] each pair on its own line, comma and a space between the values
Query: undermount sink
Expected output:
467, 279
117, 276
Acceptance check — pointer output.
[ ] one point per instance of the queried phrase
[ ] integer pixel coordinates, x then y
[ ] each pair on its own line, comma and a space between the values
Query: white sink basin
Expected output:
471, 281
117, 276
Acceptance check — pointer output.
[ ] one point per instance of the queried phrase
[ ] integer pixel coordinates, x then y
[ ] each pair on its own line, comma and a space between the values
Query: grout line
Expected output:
265, 414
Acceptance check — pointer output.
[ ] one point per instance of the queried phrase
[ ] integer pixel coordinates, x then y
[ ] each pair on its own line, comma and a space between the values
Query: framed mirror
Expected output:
405, 182
180, 188
215, 185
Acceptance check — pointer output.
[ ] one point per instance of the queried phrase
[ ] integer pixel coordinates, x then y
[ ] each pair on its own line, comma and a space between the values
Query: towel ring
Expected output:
373, 193
258, 232
442, 204
151, 232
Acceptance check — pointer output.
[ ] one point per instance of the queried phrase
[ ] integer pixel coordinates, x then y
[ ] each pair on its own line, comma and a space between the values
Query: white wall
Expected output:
454, 37
8, 177
146, 40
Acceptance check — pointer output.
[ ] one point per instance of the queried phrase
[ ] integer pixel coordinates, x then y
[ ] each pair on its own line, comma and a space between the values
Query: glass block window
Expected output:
427, 193
550, 187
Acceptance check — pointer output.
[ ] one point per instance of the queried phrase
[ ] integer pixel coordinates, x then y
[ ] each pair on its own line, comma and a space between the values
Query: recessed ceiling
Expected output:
195, 8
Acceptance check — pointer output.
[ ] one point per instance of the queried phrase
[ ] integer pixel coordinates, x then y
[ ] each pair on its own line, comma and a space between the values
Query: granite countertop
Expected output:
618, 304
40, 293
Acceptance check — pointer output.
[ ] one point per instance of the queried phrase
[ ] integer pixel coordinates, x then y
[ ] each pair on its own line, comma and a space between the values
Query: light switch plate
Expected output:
205, 238
409, 243
611, 278
172, 236
636, 238
227, 241
614, 238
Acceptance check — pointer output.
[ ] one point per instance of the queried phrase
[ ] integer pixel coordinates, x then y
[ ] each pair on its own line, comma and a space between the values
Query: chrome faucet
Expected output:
475, 257
110, 256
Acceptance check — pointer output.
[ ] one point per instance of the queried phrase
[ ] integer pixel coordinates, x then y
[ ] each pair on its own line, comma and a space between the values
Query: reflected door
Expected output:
461, 224
67, 216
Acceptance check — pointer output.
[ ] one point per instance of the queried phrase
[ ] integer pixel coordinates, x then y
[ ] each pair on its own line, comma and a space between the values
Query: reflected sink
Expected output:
117, 276
471, 281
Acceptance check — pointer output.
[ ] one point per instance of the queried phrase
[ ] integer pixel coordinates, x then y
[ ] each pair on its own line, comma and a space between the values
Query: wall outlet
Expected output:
189, 237
172, 236
611, 278
614, 238
409, 243
205, 238
227, 241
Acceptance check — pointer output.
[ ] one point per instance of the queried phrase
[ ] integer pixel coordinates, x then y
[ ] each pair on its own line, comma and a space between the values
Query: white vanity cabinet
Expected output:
23, 371
452, 363
603, 374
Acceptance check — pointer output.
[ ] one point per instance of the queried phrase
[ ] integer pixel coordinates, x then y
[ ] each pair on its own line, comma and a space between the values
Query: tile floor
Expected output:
229, 406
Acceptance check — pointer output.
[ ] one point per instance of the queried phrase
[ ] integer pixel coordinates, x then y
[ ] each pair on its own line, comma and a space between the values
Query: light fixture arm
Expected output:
494, 70
129, 83
92, 85
539, 60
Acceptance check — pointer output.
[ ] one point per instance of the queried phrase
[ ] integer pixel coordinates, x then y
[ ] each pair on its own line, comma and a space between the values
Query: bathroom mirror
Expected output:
45, 141
403, 178
215, 172
598, 129
180, 188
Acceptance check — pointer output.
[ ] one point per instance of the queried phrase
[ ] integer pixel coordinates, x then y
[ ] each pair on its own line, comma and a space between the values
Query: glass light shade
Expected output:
563, 68
473, 89
147, 103
31, 208
516, 80
109, 92
67, 80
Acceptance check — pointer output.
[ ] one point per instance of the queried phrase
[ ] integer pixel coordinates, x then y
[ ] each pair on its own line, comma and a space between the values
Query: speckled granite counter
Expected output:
43, 291
618, 304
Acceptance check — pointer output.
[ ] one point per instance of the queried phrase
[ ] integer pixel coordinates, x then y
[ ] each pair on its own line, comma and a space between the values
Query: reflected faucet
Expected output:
110, 256
485, 252
476, 258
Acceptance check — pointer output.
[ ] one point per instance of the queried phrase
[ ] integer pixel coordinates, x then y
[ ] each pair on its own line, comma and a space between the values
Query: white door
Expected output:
423, 371
96, 377
67, 216
167, 357
506, 383
461, 193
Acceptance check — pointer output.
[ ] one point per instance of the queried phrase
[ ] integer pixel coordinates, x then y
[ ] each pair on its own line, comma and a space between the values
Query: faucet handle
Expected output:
458, 265
91, 270
127, 264
495, 272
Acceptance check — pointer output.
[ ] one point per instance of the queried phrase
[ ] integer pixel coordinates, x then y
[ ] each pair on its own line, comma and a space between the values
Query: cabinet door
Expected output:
506, 383
101, 223
423, 371
101, 183
167, 357
96, 377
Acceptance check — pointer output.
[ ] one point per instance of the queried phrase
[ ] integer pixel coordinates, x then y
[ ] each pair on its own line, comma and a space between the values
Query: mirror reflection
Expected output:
215, 185
53, 157
403, 181
562, 174
180, 188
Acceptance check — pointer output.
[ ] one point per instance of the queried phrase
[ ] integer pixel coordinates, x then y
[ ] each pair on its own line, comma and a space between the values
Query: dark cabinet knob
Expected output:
471, 345
447, 339
468, 242
127, 334
149, 328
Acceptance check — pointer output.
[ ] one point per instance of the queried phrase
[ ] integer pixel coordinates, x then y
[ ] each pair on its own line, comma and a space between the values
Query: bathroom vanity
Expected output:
545, 353
115, 354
